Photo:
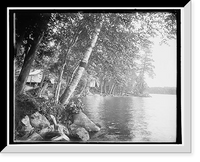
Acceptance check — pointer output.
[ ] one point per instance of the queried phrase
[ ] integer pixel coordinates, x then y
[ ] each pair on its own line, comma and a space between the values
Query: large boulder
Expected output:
82, 120
38, 128
24, 129
55, 132
27, 127
39, 121
32, 133
29, 134
79, 132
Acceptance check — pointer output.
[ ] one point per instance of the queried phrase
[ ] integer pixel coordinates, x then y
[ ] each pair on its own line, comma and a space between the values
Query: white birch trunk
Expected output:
59, 83
111, 89
43, 89
57, 94
64, 99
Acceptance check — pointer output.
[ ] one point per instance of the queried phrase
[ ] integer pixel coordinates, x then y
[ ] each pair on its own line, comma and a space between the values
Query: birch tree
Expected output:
65, 30
62, 71
64, 99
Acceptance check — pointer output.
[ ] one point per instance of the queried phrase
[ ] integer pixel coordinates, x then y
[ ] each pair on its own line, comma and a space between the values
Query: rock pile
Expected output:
36, 127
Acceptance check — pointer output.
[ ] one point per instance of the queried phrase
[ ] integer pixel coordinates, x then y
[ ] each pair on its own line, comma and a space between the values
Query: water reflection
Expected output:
116, 115
131, 118
138, 123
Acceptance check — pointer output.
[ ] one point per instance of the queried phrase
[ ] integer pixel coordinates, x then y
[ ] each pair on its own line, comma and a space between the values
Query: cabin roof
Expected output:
35, 72
35, 77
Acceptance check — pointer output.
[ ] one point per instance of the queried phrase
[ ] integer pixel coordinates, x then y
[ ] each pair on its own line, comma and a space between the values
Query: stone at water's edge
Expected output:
38, 128
79, 132
82, 120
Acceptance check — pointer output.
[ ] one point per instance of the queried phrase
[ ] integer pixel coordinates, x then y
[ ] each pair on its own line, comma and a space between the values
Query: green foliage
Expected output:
140, 86
62, 114
75, 106
24, 105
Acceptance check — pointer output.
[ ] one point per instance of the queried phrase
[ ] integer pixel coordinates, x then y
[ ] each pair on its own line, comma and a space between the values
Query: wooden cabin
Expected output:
34, 78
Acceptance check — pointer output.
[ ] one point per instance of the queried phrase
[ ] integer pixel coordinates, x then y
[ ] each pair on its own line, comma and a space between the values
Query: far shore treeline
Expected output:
162, 90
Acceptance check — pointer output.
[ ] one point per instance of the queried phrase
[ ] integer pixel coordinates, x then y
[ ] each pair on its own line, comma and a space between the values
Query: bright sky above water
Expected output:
165, 65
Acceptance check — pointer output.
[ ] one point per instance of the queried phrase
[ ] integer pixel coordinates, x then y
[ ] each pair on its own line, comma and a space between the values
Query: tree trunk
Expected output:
64, 99
120, 91
43, 89
111, 85
84, 87
28, 61
102, 80
105, 86
112, 88
59, 83
57, 94
42, 82
102, 84
113, 91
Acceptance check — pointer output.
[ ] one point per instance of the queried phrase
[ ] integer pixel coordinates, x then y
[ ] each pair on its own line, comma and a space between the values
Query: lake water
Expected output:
133, 119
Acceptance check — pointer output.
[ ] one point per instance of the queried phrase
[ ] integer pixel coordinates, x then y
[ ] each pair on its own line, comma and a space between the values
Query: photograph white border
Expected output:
185, 109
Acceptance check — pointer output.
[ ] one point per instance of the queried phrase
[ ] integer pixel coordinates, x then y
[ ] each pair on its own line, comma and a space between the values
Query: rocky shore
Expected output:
34, 126
38, 128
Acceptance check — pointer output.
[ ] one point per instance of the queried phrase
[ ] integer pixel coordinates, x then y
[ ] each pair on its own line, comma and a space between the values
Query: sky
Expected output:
165, 65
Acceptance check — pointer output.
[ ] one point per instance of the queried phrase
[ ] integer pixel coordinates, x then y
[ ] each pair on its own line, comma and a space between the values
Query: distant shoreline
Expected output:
161, 94
162, 90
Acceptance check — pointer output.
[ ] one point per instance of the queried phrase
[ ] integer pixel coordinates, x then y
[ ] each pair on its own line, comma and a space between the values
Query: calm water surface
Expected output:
134, 119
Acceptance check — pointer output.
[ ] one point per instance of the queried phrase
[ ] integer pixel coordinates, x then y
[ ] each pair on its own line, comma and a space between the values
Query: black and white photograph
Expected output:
96, 76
